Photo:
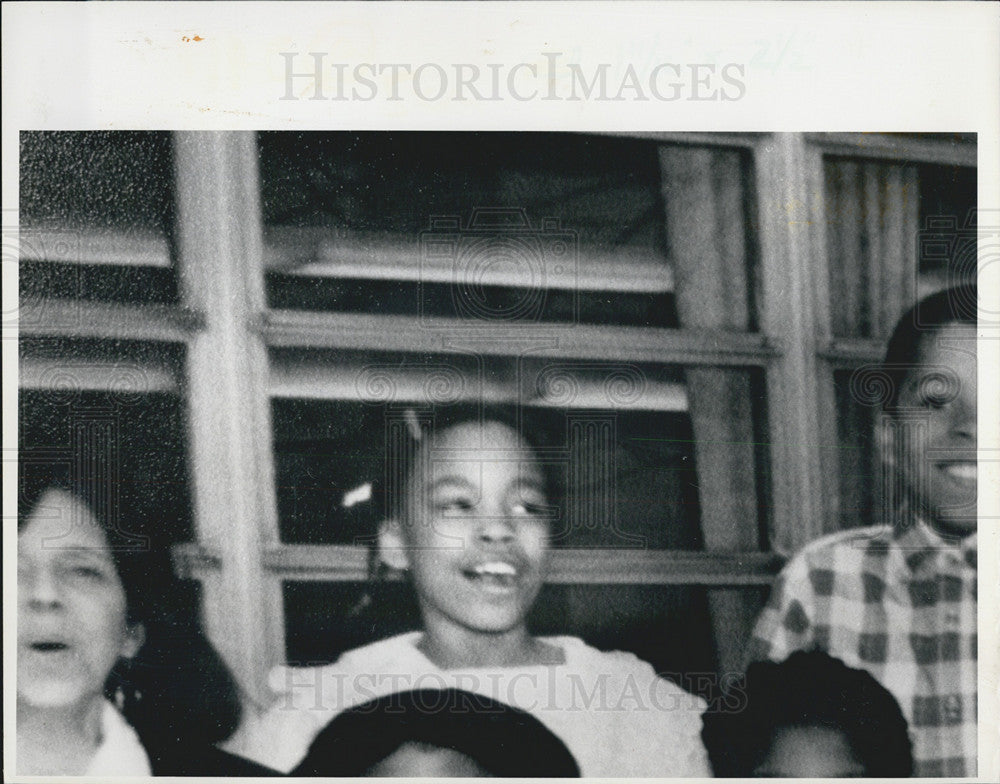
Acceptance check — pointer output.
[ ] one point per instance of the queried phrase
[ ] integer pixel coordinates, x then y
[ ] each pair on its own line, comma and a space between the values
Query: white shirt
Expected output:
120, 752
616, 716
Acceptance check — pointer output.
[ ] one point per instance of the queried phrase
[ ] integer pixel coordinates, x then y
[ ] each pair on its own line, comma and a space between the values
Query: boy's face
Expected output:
419, 760
935, 430
475, 532
809, 752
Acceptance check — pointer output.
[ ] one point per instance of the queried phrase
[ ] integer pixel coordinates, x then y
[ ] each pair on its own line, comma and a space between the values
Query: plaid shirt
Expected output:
901, 606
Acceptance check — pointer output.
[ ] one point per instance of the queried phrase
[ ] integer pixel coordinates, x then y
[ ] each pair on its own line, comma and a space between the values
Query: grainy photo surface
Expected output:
500, 390
312, 418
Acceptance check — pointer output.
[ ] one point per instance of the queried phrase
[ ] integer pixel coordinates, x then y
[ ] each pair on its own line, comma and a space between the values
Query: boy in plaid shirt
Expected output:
899, 600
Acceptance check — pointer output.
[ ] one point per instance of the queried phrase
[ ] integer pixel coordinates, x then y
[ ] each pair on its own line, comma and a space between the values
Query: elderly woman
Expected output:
105, 685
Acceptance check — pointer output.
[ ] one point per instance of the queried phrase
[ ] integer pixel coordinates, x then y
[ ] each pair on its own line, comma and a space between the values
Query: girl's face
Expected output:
475, 534
71, 612
935, 432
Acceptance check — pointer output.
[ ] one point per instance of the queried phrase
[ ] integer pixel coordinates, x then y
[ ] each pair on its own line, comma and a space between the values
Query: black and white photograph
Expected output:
479, 452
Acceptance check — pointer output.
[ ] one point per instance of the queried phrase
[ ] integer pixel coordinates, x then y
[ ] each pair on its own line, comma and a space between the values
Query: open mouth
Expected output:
963, 472
49, 646
496, 575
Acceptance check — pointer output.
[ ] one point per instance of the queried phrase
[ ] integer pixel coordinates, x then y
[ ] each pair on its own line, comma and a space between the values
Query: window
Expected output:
259, 311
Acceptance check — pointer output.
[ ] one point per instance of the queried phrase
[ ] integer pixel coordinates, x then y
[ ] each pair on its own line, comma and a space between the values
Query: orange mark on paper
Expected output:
192, 38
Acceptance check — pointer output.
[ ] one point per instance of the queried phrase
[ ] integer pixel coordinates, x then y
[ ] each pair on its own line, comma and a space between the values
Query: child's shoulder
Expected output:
852, 542
624, 678
579, 652
582, 657
389, 655
392, 650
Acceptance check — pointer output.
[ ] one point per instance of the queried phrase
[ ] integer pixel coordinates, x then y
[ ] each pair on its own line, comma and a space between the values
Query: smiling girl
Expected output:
472, 532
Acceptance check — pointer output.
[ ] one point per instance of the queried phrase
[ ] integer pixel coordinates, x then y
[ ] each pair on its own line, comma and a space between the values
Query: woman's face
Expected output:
71, 621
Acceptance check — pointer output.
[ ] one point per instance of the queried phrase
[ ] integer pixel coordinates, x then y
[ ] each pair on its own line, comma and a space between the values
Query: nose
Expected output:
496, 529
965, 420
41, 588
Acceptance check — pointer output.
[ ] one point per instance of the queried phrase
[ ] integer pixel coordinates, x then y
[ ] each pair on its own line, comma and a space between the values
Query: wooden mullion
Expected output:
851, 352
706, 229
52, 317
299, 329
326, 377
885, 147
793, 282
568, 566
96, 374
220, 266
663, 567
823, 208
324, 252
90, 245
817, 210
749, 140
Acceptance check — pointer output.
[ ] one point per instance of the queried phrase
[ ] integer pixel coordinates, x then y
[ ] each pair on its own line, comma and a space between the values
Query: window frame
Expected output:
221, 259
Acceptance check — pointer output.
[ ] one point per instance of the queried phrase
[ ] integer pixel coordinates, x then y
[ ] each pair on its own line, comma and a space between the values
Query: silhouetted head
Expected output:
437, 732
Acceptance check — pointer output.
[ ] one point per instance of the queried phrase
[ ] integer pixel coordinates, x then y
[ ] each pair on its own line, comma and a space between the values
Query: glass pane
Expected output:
618, 478
505, 226
97, 179
618, 441
96, 215
948, 248
487, 303
895, 232
667, 626
856, 457
710, 207
93, 283
130, 443
731, 442
322, 620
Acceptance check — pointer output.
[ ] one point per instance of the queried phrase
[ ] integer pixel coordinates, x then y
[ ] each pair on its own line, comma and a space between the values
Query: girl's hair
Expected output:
956, 305
177, 686
503, 740
808, 689
389, 605
426, 424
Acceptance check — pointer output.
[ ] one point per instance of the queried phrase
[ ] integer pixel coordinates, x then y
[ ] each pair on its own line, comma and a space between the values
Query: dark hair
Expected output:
808, 689
432, 423
503, 740
956, 305
176, 686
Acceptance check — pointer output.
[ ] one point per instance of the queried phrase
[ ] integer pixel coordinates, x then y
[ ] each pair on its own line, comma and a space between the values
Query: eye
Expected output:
454, 504
528, 503
527, 509
936, 390
87, 572
933, 402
